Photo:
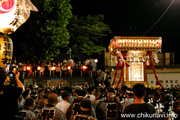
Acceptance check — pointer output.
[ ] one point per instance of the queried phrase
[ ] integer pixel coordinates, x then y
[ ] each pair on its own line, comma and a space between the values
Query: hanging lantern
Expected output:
13, 13
6, 50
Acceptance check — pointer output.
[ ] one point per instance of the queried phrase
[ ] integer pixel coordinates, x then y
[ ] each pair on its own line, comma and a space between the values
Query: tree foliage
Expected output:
46, 31
87, 33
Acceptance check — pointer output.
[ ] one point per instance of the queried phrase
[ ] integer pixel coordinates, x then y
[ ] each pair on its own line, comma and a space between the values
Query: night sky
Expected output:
135, 17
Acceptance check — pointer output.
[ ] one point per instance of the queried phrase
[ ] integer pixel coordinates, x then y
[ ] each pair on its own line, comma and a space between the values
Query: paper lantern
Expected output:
13, 13
6, 50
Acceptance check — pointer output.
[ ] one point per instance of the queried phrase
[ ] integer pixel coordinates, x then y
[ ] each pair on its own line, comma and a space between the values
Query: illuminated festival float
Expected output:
13, 13
134, 54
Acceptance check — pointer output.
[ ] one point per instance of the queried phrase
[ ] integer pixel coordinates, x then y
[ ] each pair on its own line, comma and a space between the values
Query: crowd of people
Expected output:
65, 67
86, 102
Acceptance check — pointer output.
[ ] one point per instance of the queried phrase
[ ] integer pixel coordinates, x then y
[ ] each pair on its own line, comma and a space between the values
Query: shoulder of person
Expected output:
149, 105
28, 114
102, 106
102, 103
60, 113
58, 104
69, 111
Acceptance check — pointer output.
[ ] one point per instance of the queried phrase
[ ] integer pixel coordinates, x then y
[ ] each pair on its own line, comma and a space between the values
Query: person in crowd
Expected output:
9, 95
168, 106
40, 94
117, 90
91, 91
103, 79
103, 94
74, 108
130, 99
97, 95
50, 111
25, 94
139, 106
34, 70
123, 97
64, 61
87, 62
110, 108
90, 69
64, 69
27, 113
162, 97
34, 95
42, 102
70, 90
177, 108
20, 102
158, 106
64, 105
46, 69
58, 69
46, 93
86, 109
60, 91
148, 97
85, 85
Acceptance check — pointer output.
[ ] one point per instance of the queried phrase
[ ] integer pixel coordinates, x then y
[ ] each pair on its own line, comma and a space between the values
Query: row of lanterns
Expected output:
53, 68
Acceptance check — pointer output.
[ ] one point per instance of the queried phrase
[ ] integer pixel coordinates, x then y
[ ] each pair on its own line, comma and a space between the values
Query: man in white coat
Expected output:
64, 105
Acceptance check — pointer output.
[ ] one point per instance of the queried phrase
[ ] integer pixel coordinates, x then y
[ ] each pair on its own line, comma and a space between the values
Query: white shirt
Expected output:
60, 99
92, 98
63, 106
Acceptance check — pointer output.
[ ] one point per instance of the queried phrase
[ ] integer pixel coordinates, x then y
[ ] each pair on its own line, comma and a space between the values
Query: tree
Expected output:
87, 33
45, 32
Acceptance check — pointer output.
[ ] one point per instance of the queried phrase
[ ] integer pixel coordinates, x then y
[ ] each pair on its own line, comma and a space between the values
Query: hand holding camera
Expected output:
13, 75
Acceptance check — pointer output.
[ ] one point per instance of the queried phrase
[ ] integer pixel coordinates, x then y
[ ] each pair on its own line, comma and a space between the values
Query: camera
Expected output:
12, 78
11, 75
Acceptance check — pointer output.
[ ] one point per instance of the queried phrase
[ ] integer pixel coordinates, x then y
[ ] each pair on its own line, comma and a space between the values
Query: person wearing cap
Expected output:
110, 108
139, 106
64, 105
129, 100
86, 109
74, 108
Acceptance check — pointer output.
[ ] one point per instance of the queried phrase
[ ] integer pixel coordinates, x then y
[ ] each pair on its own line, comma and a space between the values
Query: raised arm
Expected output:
19, 83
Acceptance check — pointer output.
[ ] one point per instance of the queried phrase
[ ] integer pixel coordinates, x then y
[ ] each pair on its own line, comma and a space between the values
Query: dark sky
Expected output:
135, 17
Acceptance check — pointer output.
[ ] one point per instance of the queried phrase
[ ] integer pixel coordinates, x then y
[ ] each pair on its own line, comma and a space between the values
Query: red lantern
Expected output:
53, 68
28, 68
84, 68
69, 67
6, 50
38, 68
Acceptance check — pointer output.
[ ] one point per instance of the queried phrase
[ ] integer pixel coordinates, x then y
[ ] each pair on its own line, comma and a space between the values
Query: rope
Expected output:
159, 17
